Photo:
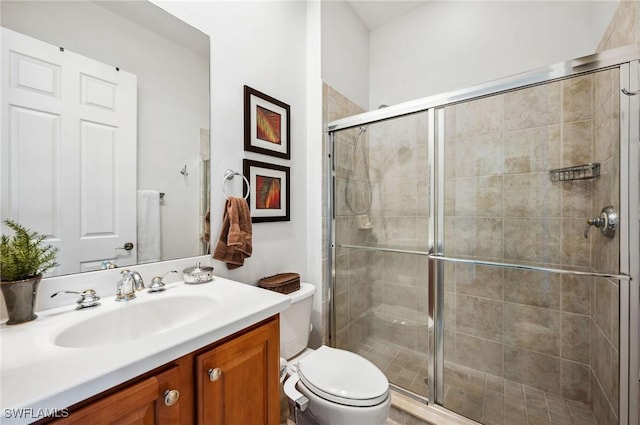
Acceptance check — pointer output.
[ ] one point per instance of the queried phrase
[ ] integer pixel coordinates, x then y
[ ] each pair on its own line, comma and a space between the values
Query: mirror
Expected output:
161, 150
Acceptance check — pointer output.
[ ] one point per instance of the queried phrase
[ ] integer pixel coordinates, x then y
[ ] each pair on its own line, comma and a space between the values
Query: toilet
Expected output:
332, 386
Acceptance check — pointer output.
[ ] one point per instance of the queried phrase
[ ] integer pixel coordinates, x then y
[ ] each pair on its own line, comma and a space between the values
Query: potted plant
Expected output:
23, 260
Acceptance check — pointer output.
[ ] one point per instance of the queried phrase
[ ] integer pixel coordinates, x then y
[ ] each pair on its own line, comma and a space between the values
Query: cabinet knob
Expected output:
171, 397
214, 374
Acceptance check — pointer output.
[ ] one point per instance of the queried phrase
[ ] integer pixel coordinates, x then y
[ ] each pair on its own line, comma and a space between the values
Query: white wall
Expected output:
173, 99
345, 51
315, 164
444, 46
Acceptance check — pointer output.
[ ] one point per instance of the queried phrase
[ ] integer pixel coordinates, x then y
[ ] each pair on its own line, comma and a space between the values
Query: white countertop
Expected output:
36, 374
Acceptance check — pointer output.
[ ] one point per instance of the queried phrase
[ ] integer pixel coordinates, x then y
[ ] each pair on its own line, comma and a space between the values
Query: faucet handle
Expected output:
607, 222
88, 298
157, 285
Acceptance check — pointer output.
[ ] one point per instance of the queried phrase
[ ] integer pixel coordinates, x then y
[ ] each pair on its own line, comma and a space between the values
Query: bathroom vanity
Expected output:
233, 381
213, 359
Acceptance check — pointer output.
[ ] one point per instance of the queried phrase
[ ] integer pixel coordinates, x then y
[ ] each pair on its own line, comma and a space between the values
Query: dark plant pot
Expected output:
20, 298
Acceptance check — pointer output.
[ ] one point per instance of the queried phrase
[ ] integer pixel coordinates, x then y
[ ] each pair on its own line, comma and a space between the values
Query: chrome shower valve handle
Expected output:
607, 222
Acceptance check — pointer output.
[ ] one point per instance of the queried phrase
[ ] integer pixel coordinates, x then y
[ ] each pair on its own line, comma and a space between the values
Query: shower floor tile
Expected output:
485, 398
506, 402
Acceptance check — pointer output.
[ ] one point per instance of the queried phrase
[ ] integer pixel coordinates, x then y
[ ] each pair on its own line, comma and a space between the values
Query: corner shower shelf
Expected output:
578, 172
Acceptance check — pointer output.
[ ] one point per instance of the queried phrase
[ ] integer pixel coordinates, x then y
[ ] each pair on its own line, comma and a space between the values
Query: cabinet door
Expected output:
237, 381
139, 404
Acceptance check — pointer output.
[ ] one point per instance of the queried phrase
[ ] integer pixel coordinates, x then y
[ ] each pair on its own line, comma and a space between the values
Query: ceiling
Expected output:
375, 13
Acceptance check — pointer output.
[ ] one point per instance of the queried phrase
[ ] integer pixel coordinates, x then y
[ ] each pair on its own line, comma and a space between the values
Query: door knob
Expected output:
127, 246
607, 222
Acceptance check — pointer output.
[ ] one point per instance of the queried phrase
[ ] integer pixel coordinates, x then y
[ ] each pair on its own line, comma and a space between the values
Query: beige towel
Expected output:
234, 244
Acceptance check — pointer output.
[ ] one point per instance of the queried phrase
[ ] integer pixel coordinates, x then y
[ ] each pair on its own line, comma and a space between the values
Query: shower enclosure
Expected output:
462, 263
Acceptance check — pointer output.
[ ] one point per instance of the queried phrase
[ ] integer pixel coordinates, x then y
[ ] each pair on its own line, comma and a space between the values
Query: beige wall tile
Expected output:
532, 149
532, 107
478, 237
577, 99
576, 250
575, 381
400, 198
480, 281
478, 117
532, 328
531, 195
532, 240
532, 288
478, 353
603, 361
602, 313
479, 316
577, 198
576, 143
479, 155
478, 196
576, 337
534, 369
576, 294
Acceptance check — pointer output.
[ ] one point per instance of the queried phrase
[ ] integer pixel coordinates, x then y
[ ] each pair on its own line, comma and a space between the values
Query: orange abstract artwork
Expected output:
268, 124
268, 193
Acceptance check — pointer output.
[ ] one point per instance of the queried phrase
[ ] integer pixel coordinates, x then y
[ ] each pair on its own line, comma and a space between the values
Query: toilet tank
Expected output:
295, 322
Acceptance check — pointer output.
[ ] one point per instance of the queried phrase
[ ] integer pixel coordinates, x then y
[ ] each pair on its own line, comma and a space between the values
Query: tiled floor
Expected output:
403, 367
484, 398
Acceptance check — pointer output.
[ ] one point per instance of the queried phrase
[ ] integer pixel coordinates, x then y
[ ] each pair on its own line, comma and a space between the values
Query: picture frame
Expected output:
267, 124
269, 199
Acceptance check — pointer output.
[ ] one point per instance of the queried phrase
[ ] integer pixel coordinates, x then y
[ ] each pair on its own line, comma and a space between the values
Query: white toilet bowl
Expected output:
337, 387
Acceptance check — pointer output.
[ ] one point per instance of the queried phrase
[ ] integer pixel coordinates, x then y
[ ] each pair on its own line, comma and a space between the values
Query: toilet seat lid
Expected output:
343, 377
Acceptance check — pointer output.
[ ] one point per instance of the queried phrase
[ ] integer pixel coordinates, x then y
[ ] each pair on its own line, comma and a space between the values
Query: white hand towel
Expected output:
148, 226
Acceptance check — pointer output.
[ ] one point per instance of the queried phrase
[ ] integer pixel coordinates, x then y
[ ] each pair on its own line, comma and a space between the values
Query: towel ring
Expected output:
229, 175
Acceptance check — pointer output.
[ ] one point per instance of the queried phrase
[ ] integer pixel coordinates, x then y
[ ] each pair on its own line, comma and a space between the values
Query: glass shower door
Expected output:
527, 340
381, 229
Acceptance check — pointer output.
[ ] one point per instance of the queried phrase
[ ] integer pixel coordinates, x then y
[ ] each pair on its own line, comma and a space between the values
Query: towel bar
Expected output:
229, 175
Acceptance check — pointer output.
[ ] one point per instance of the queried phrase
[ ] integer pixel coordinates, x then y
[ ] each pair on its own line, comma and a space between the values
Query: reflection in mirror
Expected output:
105, 141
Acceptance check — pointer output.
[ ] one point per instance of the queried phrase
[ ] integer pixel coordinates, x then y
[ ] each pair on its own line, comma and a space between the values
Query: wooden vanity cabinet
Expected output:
230, 382
142, 403
237, 382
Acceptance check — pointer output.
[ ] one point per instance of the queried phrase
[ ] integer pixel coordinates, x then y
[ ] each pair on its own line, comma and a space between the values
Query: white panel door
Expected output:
69, 151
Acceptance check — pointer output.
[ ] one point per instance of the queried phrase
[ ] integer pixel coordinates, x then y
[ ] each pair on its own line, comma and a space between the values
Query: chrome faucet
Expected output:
129, 283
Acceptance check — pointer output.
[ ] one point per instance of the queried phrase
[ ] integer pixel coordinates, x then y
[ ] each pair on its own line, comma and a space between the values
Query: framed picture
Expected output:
269, 197
266, 124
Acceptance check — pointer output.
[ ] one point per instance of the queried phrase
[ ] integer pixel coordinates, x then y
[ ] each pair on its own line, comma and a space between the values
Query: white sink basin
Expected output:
133, 320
